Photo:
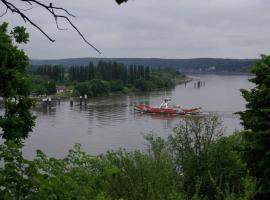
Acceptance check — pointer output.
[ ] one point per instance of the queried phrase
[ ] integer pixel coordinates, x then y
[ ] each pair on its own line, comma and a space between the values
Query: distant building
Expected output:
213, 68
60, 89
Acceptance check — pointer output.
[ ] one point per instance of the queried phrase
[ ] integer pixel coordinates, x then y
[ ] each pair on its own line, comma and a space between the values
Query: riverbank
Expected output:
177, 80
158, 80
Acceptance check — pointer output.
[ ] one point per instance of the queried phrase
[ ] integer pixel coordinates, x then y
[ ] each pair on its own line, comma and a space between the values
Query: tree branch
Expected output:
52, 10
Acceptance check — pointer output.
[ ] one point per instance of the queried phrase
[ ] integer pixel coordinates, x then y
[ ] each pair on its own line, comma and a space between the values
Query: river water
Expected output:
110, 122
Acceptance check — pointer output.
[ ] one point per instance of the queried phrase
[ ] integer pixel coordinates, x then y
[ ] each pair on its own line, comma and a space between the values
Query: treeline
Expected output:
109, 71
55, 72
195, 64
103, 78
103, 70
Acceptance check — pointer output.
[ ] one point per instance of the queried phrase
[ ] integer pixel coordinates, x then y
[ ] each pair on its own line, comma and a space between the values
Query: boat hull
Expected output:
173, 111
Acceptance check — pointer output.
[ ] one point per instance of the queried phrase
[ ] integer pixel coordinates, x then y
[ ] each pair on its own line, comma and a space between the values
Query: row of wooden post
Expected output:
47, 102
199, 84
82, 99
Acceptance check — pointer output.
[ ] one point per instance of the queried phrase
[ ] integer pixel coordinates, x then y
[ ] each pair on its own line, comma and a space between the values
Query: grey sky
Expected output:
155, 28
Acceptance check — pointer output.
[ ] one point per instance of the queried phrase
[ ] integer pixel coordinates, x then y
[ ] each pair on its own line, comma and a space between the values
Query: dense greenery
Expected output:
55, 72
103, 78
93, 88
157, 80
196, 162
15, 86
256, 120
43, 84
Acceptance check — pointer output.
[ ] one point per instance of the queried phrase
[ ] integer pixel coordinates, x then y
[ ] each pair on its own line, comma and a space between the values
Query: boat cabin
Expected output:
165, 103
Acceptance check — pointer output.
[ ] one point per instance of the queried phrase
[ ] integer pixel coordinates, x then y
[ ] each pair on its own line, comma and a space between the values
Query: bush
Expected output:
116, 86
195, 163
142, 176
93, 88
99, 87
144, 85
201, 154
81, 89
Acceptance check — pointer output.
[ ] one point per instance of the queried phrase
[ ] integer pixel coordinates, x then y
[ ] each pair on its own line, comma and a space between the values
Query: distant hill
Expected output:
202, 65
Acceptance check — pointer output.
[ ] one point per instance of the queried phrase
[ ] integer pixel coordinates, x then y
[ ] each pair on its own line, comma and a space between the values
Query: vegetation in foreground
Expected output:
196, 162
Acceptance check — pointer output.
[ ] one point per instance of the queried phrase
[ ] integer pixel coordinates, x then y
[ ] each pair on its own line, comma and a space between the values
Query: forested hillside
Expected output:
203, 65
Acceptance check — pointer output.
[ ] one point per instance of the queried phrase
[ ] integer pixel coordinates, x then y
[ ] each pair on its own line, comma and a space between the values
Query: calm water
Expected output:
110, 122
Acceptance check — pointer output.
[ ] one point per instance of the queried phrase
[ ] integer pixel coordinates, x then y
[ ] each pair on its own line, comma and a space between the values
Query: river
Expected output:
110, 122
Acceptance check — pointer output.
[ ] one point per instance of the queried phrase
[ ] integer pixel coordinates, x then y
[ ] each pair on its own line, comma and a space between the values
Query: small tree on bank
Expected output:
256, 121
15, 85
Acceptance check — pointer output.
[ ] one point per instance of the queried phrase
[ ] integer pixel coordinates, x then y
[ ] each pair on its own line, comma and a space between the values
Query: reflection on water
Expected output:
110, 122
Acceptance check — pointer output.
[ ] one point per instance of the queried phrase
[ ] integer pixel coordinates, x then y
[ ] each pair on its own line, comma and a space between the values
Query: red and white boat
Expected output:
165, 108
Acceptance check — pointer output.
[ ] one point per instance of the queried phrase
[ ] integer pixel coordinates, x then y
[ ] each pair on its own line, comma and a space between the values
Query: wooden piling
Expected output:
45, 103
85, 99
80, 100
71, 101
49, 100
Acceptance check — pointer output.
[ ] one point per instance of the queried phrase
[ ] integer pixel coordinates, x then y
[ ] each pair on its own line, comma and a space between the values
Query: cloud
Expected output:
156, 28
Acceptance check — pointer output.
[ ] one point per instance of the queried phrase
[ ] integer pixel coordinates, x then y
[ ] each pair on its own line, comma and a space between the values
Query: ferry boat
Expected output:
165, 108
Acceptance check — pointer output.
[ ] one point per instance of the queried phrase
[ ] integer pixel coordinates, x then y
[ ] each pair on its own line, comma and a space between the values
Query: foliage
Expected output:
190, 147
15, 85
54, 72
82, 73
165, 78
255, 120
117, 76
50, 87
93, 88
12, 183
195, 163
78, 176
116, 86
201, 154
108, 71
142, 176
43, 84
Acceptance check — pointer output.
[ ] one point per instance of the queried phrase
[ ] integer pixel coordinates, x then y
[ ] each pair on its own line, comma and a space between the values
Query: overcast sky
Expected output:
154, 28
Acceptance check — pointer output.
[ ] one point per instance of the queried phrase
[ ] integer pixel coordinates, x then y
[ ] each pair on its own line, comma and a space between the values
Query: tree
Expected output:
15, 85
51, 87
207, 163
147, 73
256, 121
190, 145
